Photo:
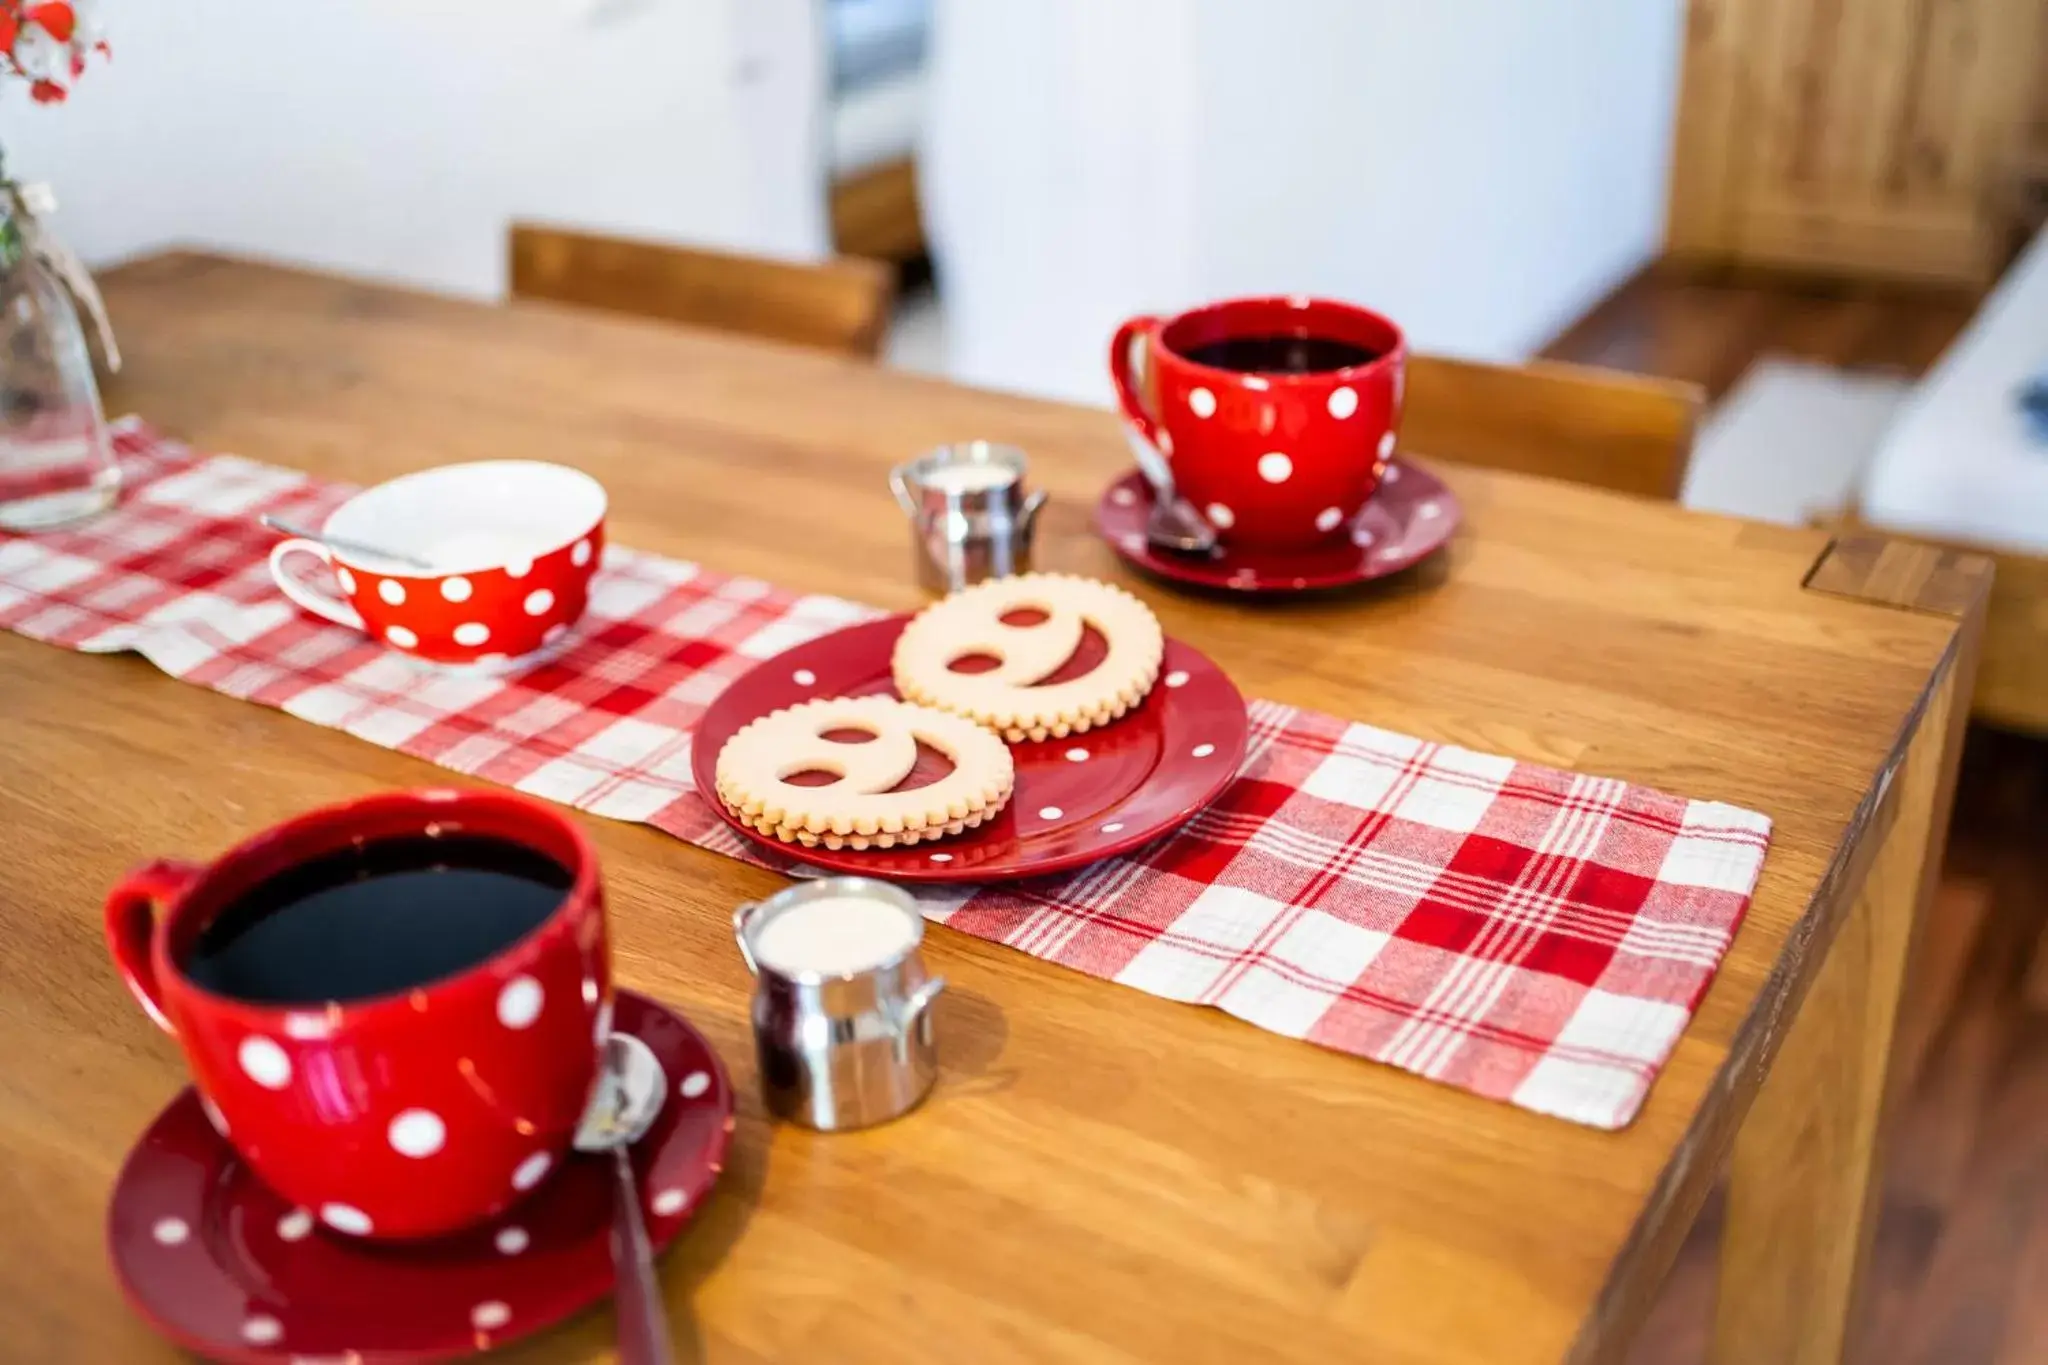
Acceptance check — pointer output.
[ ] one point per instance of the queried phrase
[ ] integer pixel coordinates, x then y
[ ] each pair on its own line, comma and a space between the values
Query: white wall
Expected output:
1057, 180
396, 139
1481, 170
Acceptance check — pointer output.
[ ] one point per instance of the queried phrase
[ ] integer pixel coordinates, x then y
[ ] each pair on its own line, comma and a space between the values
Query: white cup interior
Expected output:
464, 518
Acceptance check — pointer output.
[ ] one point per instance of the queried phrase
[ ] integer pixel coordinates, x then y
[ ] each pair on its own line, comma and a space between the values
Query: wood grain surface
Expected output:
875, 213
1957, 1273
840, 305
1100, 1175
1875, 138
1709, 324
1605, 428
2012, 675
1803, 1184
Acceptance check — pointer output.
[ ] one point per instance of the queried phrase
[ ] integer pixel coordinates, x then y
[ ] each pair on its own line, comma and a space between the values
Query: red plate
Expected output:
1077, 799
223, 1267
1409, 518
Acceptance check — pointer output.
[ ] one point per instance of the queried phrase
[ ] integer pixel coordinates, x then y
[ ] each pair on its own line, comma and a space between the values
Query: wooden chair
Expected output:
841, 305
1605, 428
875, 213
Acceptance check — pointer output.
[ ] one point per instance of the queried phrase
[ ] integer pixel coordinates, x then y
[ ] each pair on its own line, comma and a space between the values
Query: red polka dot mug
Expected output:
1276, 415
407, 1114
511, 546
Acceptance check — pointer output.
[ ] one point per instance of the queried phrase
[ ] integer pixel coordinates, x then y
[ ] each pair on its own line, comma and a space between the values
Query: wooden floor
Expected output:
1959, 1272
1709, 328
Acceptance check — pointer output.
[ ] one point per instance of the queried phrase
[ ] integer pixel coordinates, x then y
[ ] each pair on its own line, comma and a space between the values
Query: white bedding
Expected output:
1960, 463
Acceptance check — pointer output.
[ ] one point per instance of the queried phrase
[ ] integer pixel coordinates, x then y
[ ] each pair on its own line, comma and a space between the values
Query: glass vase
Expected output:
56, 461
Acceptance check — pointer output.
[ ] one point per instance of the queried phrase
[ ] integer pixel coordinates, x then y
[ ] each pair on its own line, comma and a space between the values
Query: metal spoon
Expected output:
352, 547
1172, 524
629, 1094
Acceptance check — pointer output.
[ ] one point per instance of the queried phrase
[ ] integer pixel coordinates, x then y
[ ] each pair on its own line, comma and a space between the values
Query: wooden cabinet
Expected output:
1864, 137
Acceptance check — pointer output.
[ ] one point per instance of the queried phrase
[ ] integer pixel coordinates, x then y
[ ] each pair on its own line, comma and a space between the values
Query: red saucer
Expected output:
1410, 518
1077, 799
223, 1267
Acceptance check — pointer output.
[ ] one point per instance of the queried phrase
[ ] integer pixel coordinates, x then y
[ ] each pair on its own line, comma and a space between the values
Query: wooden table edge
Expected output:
1900, 575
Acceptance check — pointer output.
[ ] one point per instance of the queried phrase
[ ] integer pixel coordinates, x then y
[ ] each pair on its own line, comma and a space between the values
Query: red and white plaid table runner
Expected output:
1523, 933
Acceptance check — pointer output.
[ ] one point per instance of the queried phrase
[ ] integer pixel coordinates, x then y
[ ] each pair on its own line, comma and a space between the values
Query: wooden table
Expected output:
1101, 1175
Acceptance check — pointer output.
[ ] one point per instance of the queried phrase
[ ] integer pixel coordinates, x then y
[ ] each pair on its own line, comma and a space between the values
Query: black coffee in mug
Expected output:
1276, 354
376, 919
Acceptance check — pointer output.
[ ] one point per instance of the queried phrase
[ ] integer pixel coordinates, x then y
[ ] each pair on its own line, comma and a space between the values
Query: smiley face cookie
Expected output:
1014, 697
861, 810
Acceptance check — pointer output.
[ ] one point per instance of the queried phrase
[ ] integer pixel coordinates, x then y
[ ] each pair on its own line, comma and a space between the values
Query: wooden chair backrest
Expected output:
1605, 428
875, 213
840, 305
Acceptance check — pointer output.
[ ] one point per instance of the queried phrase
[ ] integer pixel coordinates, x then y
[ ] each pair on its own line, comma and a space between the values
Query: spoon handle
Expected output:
642, 1322
352, 547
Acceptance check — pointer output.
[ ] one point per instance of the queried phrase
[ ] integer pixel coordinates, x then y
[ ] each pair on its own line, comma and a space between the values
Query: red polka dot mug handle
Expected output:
134, 908
1123, 369
319, 603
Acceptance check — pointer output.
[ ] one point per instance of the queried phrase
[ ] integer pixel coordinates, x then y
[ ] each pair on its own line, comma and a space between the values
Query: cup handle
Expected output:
916, 1014
319, 603
1130, 392
899, 484
1027, 516
740, 916
133, 907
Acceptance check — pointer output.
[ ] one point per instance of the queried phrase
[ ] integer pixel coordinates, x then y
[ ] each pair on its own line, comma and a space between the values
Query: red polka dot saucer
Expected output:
223, 1267
1409, 518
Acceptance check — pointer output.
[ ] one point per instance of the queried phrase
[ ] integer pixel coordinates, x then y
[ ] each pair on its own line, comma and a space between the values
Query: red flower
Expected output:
56, 17
45, 43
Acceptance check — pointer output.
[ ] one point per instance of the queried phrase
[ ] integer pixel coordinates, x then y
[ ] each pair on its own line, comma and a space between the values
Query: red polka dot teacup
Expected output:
509, 548
1276, 415
402, 1114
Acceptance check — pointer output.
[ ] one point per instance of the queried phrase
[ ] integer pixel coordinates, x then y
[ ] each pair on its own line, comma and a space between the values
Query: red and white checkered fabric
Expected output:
1523, 933
53, 451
